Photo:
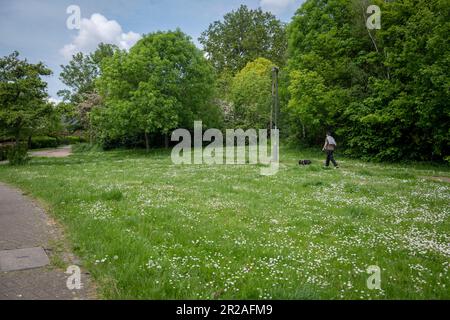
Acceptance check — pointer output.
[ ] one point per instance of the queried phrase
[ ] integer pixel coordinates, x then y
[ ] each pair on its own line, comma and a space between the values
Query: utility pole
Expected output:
275, 104
274, 110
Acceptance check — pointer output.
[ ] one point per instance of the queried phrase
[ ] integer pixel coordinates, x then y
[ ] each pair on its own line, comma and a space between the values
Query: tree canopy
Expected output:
79, 76
23, 96
251, 95
386, 92
243, 36
162, 83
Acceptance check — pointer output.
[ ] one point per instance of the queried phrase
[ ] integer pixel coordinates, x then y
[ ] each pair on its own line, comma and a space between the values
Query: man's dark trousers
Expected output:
330, 157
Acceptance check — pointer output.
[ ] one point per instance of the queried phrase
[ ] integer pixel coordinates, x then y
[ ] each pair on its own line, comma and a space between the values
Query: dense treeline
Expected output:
383, 92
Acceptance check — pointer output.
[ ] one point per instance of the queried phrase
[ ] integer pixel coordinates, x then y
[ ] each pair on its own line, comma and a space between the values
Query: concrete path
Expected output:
61, 152
23, 225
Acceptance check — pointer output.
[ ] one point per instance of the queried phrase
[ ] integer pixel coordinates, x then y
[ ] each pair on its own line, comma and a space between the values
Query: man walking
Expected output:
329, 147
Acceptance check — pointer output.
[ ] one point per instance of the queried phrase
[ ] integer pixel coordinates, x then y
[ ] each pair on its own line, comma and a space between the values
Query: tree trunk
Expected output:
147, 143
166, 141
17, 138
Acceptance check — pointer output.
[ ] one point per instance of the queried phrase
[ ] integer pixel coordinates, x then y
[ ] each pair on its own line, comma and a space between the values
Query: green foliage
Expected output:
162, 83
4, 149
386, 92
18, 155
23, 97
41, 142
85, 148
243, 36
207, 225
79, 76
71, 140
112, 195
251, 94
44, 142
312, 104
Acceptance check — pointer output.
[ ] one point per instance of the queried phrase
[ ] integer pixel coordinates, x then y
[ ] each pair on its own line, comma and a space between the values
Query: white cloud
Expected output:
54, 101
99, 29
276, 6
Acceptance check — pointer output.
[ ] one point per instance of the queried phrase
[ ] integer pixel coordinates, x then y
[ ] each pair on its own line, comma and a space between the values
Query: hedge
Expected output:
43, 142
4, 149
52, 142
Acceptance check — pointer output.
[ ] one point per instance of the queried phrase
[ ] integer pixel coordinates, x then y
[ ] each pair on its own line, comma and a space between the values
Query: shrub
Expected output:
71, 140
4, 151
43, 142
18, 155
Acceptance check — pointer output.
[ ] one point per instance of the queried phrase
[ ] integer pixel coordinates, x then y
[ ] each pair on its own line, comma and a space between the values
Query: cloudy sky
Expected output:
38, 28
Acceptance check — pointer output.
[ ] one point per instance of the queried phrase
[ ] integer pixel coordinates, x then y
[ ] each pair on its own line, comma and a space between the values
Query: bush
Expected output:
18, 155
43, 142
51, 142
71, 140
4, 151
384, 106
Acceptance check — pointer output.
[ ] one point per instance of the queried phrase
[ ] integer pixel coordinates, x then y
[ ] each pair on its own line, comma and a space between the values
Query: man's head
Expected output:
328, 133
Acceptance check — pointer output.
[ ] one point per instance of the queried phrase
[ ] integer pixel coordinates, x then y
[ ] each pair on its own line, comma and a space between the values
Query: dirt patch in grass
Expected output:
53, 153
440, 179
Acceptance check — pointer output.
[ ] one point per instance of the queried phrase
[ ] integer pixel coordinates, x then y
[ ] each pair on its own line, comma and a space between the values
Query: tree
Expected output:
243, 36
163, 82
79, 76
23, 96
251, 94
385, 91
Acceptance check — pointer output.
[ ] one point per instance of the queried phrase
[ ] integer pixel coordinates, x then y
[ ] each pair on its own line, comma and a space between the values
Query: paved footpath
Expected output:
60, 152
23, 224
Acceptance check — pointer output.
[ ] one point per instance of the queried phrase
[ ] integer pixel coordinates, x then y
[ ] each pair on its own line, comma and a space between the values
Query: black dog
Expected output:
304, 162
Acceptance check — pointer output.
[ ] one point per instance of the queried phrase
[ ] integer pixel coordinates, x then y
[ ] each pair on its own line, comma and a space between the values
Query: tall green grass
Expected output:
148, 229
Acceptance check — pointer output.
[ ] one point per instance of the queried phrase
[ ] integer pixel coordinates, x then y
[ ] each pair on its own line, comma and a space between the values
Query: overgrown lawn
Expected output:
148, 229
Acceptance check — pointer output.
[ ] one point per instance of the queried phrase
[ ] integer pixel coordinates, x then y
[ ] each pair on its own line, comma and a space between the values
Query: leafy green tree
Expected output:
385, 91
103, 51
162, 83
243, 36
251, 95
79, 75
309, 104
81, 97
23, 97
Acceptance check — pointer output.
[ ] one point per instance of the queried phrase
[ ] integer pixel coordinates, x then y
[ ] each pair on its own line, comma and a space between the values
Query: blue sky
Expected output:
37, 28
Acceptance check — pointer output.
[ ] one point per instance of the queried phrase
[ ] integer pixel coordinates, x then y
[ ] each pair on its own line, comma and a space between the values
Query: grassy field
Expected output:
146, 228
